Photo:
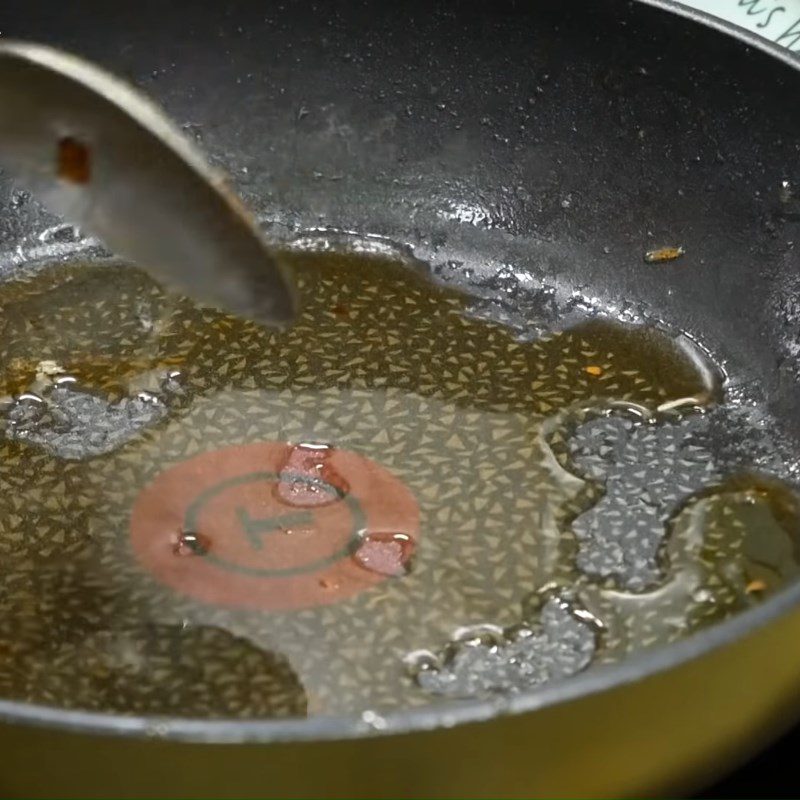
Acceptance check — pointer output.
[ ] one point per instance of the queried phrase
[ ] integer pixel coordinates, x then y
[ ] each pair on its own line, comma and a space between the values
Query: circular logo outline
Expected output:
194, 509
240, 529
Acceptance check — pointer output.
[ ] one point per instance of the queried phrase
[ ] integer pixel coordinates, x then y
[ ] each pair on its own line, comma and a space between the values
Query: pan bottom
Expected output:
403, 498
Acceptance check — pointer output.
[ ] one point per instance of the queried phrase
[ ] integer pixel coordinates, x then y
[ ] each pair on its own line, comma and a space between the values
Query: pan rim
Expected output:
442, 715
747, 37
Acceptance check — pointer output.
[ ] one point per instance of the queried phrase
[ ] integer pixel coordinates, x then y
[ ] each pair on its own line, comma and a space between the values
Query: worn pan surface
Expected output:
563, 140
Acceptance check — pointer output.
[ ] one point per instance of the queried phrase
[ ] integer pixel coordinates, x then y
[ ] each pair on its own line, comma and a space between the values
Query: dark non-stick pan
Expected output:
532, 155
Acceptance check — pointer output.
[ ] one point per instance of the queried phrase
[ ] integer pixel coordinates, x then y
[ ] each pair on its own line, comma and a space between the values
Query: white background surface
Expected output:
776, 20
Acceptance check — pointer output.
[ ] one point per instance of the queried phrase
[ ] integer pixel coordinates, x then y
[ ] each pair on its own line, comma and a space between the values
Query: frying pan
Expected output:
458, 130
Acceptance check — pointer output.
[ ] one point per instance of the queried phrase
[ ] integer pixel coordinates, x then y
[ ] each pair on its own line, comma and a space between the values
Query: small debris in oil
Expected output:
191, 544
308, 478
663, 254
594, 371
73, 161
755, 587
385, 553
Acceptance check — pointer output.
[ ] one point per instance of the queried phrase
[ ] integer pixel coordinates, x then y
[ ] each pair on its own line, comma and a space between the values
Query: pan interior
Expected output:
562, 489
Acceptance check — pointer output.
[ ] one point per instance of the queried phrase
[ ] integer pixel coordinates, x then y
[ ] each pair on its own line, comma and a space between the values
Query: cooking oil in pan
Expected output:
389, 503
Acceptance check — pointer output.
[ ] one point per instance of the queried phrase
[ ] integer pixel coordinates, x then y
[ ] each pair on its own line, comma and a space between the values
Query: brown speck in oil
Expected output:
73, 161
189, 543
663, 254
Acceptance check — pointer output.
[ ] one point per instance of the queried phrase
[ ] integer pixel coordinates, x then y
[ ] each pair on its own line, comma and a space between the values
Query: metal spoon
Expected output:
99, 153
